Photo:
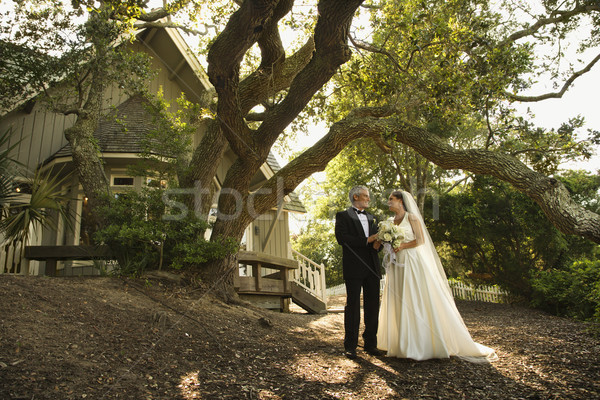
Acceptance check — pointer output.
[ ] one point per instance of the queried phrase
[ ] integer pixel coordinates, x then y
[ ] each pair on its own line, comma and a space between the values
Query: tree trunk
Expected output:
203, 168
86, 157
219, 276
256, 22
85, 151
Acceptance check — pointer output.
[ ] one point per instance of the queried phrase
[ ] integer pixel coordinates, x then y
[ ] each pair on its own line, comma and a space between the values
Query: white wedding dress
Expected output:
418, 318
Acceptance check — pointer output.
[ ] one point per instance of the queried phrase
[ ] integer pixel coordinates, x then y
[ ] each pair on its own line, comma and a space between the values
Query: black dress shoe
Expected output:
374, 351
351, 354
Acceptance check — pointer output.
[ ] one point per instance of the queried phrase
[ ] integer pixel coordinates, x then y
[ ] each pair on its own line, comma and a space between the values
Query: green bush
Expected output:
141, 239
572, 292
317, 242
491, 229
185, 246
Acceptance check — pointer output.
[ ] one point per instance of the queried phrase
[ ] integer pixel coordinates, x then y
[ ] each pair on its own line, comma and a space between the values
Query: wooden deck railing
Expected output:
10, 259
259, 283
310, 276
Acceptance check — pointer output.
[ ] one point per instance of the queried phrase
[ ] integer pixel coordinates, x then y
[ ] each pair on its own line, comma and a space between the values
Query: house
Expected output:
42, 145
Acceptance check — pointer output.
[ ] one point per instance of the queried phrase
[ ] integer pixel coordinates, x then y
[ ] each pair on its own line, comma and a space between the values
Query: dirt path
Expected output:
107, 338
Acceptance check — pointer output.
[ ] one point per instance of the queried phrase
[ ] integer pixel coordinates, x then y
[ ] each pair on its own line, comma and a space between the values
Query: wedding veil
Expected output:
431, 257
427, 250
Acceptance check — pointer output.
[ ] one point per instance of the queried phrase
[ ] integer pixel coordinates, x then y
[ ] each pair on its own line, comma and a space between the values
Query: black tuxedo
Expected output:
361, 270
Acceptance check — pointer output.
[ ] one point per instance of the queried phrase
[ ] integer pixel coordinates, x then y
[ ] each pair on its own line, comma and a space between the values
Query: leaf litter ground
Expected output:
112, 338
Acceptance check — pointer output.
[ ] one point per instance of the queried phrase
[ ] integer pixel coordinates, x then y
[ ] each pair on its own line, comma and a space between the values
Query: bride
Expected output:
418, 317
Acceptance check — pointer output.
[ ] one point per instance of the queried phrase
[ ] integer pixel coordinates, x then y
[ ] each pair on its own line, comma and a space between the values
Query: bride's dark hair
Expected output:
398, 194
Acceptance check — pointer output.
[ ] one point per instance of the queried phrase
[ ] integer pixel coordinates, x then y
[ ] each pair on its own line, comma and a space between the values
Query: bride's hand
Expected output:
397, 249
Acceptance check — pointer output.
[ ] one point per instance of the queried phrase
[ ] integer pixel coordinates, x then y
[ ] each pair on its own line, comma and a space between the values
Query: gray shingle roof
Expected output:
124, 133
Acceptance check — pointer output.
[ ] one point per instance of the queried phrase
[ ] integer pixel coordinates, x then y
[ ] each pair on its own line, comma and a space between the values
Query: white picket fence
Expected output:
488, 294
336, 290
460, 290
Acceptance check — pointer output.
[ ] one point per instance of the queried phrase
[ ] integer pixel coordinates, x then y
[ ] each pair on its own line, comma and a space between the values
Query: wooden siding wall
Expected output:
278, 244
40, 133
46, 129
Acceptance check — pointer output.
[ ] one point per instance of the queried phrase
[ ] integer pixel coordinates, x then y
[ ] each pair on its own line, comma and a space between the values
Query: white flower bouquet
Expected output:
391, 233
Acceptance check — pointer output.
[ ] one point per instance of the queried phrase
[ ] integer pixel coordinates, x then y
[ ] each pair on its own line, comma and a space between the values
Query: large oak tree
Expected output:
285, 84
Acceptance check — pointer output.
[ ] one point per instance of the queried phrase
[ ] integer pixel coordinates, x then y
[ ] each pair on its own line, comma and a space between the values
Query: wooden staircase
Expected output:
307, 300
308, 285
299, 279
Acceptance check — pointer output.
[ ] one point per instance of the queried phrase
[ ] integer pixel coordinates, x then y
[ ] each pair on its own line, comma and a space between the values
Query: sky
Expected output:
580, 99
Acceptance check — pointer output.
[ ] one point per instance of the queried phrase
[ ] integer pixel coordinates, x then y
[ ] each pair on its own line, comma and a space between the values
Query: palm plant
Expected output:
18, 213
46, 196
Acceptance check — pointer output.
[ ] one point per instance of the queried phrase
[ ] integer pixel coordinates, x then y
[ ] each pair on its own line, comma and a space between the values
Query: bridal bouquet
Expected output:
391, 233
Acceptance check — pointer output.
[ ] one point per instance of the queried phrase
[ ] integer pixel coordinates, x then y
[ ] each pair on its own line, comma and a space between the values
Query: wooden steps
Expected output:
306, 300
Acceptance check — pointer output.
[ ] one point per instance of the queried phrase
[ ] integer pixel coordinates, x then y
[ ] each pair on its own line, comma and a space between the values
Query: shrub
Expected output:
140, 239
572, 292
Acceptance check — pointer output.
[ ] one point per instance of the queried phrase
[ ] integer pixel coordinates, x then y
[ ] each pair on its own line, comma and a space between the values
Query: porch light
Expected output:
18, 190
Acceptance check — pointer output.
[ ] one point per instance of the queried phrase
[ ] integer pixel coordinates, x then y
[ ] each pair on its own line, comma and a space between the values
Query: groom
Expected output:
355, 231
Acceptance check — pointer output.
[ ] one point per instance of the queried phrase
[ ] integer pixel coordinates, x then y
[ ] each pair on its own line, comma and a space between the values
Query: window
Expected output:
122, 180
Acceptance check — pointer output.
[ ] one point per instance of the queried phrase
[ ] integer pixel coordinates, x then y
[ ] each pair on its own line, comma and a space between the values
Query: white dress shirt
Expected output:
364, 222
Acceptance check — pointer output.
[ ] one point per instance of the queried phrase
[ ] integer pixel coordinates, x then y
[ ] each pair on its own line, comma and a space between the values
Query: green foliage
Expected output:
317, 242
141, 238
166, 149
187, 247
583, 188
491, 230
447, 67
45, 198
543, 149
571, 292
73, 48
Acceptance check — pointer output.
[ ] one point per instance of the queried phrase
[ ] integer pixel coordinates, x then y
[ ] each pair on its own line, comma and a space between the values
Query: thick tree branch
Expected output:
551, 195
269, 41
331, 51
243, 29
317, 157
154, 15
260, 85
255, 116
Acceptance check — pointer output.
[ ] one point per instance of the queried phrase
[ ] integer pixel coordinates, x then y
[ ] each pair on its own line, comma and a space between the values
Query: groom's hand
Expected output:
372, 238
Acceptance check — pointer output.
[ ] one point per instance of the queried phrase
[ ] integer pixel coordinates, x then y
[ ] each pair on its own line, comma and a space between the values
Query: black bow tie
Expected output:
360, 211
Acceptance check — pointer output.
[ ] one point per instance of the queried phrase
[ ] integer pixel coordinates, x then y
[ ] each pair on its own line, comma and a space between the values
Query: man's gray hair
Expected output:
356, 190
